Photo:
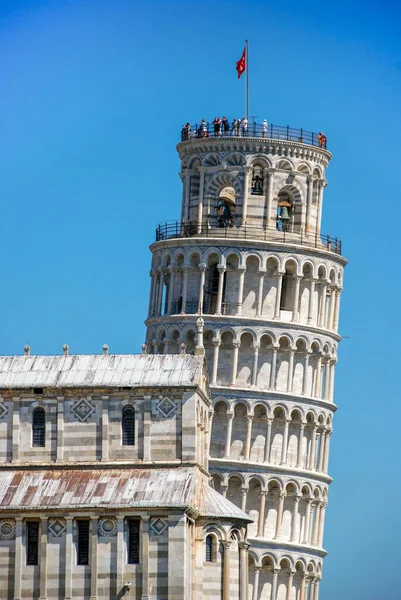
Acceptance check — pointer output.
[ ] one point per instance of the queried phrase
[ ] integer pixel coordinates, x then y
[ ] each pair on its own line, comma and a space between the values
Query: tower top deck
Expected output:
242, 129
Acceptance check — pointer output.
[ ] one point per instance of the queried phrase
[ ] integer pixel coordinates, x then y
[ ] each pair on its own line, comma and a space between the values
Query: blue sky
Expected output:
93, 97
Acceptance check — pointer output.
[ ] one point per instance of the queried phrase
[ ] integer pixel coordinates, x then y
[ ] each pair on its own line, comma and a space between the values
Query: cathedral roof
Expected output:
38, 489
94, 371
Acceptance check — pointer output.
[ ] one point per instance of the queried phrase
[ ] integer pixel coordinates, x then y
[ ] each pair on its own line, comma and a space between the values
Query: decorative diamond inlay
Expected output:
3, 410
107, 527
166, 407
7, 529
56, 527
83, 409
158, 526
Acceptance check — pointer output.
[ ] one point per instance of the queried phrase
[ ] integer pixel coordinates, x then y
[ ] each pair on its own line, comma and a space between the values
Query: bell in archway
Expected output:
284, 214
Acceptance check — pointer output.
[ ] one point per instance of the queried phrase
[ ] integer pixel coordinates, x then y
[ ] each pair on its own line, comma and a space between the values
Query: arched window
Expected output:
128, 426
38, 427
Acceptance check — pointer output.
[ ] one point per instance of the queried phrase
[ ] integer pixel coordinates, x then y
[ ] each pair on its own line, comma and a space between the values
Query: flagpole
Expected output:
247, 82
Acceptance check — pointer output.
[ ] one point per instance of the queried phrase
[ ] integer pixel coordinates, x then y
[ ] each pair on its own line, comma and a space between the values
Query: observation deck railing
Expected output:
254, 130
213, 227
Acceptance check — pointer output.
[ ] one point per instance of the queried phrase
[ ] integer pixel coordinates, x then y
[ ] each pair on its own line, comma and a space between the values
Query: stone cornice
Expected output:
249, 467
263, 544
241, 321
244, 244
255, 145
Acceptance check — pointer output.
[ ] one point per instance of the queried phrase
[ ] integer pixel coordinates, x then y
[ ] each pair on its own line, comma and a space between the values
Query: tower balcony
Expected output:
238, 129
214, 227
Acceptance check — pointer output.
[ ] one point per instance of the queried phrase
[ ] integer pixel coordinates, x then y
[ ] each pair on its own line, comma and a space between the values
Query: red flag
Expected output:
241, 64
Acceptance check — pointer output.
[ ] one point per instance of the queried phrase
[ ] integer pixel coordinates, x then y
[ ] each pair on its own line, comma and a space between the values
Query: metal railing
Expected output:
253, 130
191, 308
216, 228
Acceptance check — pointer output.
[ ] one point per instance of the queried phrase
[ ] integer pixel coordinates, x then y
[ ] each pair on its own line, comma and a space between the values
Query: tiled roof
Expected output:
94, 370
114, 489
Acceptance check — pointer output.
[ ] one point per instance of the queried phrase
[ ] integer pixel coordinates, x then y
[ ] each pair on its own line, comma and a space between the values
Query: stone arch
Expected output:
290, 200
303, 167
234, 490
284, 164
235, 159
252, 508
222, 179
211, 159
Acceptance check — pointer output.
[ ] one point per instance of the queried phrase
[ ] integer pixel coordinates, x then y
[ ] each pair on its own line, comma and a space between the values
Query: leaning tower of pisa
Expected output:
247, 265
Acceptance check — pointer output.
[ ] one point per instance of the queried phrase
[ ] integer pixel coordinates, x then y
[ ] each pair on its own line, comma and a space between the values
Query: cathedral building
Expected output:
199, 468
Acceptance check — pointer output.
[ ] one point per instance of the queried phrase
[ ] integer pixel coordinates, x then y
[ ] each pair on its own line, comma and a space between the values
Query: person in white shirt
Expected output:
244, 126
264, 128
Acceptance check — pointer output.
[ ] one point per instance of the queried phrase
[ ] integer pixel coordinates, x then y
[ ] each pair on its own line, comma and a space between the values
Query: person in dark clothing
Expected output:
226, 125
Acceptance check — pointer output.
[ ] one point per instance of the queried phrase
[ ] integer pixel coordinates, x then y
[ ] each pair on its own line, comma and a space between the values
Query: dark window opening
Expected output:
128, 426
83, 543
133, 541
38, 390
32, 542
209, 549
38, 427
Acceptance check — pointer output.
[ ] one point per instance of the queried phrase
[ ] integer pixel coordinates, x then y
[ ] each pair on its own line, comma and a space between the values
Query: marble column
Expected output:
312, 456
309, 181
268, 439
332, 308
221, 269
302, 588
236, 345
331, 385
244, 496
15, 432
321, 185
247, 448
262, 508
280, 276
272, 385
311, 303
327, 380
318, 377
247, 172
289, 585
295, 512
18, 559
321, 451
315, 534
284, 447
202, 269
337, 312
274, 584
326, 452
171, 290
322, 303
295, 309
270, 199
151, 294
159, 308
230, 417
299, 464
184, 289
241, 276
321, 524
243, 561
259, 308
255, 592
255, 365
306, 539
216, 348
305, 381
202, 171
279, 515
226, 571
290, 374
